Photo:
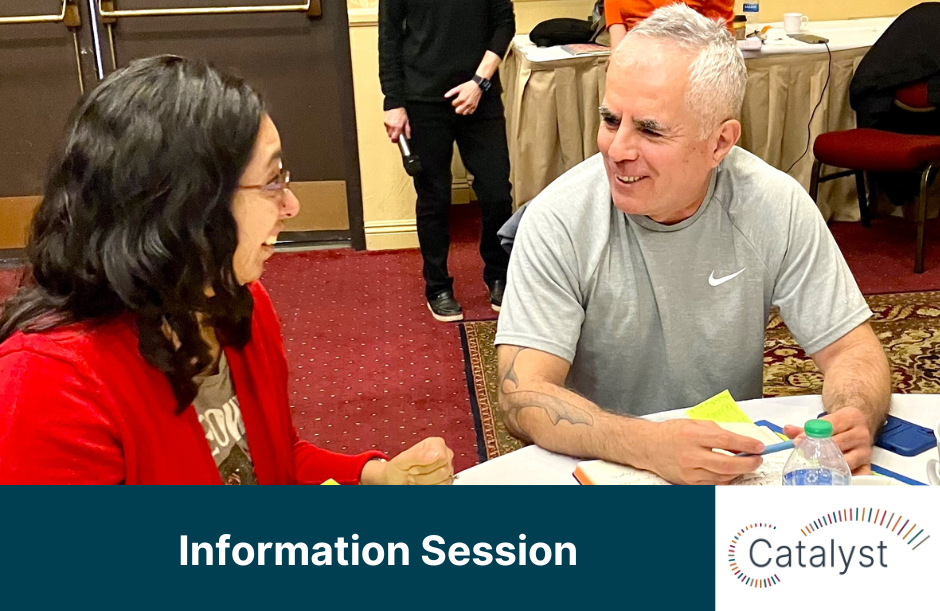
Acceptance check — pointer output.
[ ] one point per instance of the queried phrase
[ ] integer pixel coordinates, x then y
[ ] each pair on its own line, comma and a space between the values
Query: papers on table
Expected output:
770, 473
749, 429
720, 408
723, 411
557, 53
545, 54
586, 48
603, 473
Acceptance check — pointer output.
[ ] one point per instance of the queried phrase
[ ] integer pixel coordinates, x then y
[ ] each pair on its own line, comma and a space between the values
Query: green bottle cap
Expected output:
818, 429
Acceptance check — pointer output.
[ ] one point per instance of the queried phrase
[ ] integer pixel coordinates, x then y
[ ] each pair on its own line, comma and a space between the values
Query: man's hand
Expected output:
856, 393
396, 124
851, 433
683, 453
468, 97
427, 463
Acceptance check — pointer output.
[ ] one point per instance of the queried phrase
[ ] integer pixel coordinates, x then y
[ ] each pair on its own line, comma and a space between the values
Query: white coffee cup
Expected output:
793, 22
933, 465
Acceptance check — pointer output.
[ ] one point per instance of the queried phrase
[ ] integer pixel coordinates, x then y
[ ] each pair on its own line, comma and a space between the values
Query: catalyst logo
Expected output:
848, 539
739, 574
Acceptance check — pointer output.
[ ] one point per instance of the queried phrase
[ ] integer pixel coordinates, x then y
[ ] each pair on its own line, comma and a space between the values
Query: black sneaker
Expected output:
445, 308
496, 294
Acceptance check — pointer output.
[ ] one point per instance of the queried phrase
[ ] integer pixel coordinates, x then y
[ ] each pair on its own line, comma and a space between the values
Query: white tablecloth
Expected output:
533, 465
842, 35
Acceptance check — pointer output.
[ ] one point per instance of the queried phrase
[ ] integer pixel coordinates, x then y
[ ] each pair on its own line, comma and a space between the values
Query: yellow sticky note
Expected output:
330, 482
720, 408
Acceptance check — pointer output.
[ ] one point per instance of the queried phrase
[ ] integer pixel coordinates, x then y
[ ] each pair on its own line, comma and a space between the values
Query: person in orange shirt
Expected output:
621, 15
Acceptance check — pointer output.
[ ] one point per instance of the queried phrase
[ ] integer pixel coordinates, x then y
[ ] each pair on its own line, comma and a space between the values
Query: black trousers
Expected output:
481, 140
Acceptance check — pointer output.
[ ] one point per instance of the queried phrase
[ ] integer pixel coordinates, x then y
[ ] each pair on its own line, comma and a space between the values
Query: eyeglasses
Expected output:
276, 186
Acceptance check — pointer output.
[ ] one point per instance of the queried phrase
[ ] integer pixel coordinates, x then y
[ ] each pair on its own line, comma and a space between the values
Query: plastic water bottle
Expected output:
817, 460
752, 13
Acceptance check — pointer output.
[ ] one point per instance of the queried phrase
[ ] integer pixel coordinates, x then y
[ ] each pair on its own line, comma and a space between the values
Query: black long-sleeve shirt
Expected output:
427, 47
907, 52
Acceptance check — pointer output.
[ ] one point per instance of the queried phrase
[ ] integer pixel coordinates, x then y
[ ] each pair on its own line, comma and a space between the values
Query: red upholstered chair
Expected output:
871, 150
913, 98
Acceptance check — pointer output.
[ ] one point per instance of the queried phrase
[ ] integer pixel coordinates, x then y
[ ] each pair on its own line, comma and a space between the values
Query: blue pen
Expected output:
775, 447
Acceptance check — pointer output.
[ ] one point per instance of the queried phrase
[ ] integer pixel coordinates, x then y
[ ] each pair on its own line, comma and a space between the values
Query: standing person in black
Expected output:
438, 64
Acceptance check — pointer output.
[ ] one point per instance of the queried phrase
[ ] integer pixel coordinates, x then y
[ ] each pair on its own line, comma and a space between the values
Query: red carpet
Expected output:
882, 256
371, 367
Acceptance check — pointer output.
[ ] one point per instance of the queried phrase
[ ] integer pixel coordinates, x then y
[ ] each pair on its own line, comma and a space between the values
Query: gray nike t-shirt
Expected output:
655, 317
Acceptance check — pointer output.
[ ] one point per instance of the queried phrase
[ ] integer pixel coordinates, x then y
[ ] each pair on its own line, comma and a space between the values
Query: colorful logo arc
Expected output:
741, 575
876, 517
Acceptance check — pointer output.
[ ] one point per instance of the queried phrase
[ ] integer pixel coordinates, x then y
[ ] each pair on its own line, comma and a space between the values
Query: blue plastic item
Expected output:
904, 438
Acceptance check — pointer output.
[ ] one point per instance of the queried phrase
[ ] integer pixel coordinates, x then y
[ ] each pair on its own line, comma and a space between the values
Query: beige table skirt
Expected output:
552, 118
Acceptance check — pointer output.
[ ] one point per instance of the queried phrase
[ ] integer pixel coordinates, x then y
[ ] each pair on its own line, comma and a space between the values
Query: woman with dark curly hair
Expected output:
144, 350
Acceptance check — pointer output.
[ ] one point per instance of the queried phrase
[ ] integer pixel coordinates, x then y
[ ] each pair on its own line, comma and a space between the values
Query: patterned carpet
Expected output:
908, 324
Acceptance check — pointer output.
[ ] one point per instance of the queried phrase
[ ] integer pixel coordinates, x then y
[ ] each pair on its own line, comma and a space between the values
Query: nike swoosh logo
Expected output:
712, 281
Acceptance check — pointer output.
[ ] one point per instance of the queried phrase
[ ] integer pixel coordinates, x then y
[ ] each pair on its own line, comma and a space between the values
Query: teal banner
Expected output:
448, 548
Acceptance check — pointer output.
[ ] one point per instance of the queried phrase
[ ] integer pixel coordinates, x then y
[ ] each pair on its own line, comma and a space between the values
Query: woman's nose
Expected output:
291, 205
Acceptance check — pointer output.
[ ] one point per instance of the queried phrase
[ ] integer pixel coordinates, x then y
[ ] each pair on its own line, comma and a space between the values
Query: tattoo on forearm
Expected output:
513, 401
555, 408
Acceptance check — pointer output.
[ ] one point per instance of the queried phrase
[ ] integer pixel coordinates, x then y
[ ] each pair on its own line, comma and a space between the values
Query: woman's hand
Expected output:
396, 124
427, 463
468, 97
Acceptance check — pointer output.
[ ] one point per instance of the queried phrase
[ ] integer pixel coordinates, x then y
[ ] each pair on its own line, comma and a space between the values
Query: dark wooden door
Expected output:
300, 64
41, 79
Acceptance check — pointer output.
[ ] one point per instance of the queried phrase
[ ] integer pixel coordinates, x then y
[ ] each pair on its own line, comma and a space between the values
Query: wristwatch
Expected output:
483, 83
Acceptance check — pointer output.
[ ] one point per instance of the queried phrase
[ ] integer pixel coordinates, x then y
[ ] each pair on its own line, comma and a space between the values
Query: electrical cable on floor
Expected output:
809, 126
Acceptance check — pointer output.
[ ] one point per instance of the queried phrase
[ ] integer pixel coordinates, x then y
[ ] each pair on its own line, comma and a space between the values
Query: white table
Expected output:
842, 35
533, 465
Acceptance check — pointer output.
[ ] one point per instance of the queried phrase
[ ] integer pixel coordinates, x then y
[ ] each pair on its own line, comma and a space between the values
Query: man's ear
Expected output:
727, 136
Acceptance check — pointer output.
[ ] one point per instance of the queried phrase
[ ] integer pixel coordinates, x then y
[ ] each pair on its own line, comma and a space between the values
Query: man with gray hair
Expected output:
650, 290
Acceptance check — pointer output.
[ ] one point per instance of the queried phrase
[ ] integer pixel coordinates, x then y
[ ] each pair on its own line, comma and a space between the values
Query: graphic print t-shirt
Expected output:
221, 419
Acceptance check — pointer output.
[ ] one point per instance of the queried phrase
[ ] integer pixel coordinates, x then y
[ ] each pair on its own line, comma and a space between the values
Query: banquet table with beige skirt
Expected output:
552, 96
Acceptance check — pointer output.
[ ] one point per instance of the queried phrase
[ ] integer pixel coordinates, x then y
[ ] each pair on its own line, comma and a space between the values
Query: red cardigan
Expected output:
80, 404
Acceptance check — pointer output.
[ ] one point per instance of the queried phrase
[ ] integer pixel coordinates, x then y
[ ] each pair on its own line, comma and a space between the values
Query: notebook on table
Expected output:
723, 411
